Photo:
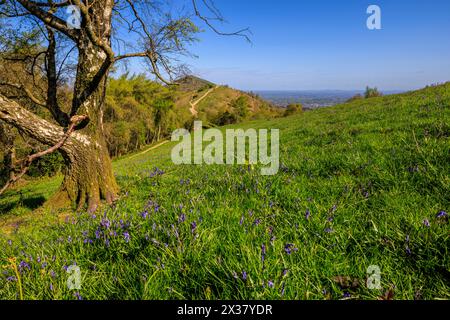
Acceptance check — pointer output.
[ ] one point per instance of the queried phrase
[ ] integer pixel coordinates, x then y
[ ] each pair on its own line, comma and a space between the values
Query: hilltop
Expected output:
362, 184
193, 83
220, 105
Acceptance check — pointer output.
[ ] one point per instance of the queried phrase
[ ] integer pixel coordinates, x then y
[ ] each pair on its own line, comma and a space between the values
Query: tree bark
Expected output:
7, 138
88, 177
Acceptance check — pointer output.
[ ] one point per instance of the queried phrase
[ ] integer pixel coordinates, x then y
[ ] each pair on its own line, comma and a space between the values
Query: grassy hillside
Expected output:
365, 183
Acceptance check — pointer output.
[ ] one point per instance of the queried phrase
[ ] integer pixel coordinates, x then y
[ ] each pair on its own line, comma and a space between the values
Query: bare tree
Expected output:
94, 46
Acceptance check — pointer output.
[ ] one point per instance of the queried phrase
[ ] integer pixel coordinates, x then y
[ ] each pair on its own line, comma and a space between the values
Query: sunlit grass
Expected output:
360, 184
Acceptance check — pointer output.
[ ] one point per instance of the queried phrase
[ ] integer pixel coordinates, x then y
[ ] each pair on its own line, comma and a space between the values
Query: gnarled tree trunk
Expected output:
89, 176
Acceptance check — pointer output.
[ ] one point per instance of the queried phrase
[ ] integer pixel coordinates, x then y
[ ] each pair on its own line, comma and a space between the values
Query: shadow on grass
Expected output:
31, 202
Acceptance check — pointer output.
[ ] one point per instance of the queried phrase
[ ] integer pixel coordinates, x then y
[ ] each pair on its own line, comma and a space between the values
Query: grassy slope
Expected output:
383, 162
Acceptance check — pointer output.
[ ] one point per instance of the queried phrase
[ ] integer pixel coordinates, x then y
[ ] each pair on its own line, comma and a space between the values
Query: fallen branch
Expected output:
74, 121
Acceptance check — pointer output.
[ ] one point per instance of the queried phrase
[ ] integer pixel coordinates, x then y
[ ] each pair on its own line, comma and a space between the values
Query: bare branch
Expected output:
50, 19
241, 33
24, 89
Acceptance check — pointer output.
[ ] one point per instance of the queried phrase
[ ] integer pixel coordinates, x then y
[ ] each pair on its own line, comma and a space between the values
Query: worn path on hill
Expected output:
193, 111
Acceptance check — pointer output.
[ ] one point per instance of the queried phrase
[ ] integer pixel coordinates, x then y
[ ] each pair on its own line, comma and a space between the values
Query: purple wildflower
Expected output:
426, 223
144, 214
285, 272
289, 247
328, 230
408, 250
126, 236
347, 295
242, 221
11, 279
51, 286
263, 253
10, 242
244, 275
193, 226
257, 222
307, 214
182, 218
270, 284
441, 214
23, 265
105, 223
78, 296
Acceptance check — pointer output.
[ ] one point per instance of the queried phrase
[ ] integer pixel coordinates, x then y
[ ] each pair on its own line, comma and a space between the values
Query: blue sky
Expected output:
319, 44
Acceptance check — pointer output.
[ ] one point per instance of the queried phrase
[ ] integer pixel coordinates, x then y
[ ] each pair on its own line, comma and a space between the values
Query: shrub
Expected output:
372, 92
293, 108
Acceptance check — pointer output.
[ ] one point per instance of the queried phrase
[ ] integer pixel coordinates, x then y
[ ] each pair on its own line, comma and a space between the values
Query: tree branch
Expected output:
50, 19
26, 91
26, 163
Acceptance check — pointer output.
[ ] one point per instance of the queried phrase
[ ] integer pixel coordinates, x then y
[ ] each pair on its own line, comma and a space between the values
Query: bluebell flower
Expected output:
193, 226
307, 214
144, 214
289, 247
441, 214
23, 265
408, 250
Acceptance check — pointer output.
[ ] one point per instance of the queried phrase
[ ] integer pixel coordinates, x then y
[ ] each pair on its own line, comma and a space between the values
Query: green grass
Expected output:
369, 172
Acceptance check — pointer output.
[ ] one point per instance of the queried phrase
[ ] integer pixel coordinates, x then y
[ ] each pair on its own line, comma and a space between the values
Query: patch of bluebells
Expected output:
289, 248
156, 172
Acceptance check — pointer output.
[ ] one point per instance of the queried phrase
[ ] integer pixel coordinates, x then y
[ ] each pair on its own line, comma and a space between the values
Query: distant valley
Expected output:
310, 99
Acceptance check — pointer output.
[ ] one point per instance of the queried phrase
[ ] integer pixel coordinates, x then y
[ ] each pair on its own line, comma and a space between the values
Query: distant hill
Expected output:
193, 83
210, 103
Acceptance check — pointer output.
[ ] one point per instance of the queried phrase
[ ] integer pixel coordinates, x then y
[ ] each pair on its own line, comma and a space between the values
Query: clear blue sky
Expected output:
319, 44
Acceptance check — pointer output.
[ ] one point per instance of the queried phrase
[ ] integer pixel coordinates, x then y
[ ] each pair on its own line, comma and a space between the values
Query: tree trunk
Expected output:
88, 177
7, 138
